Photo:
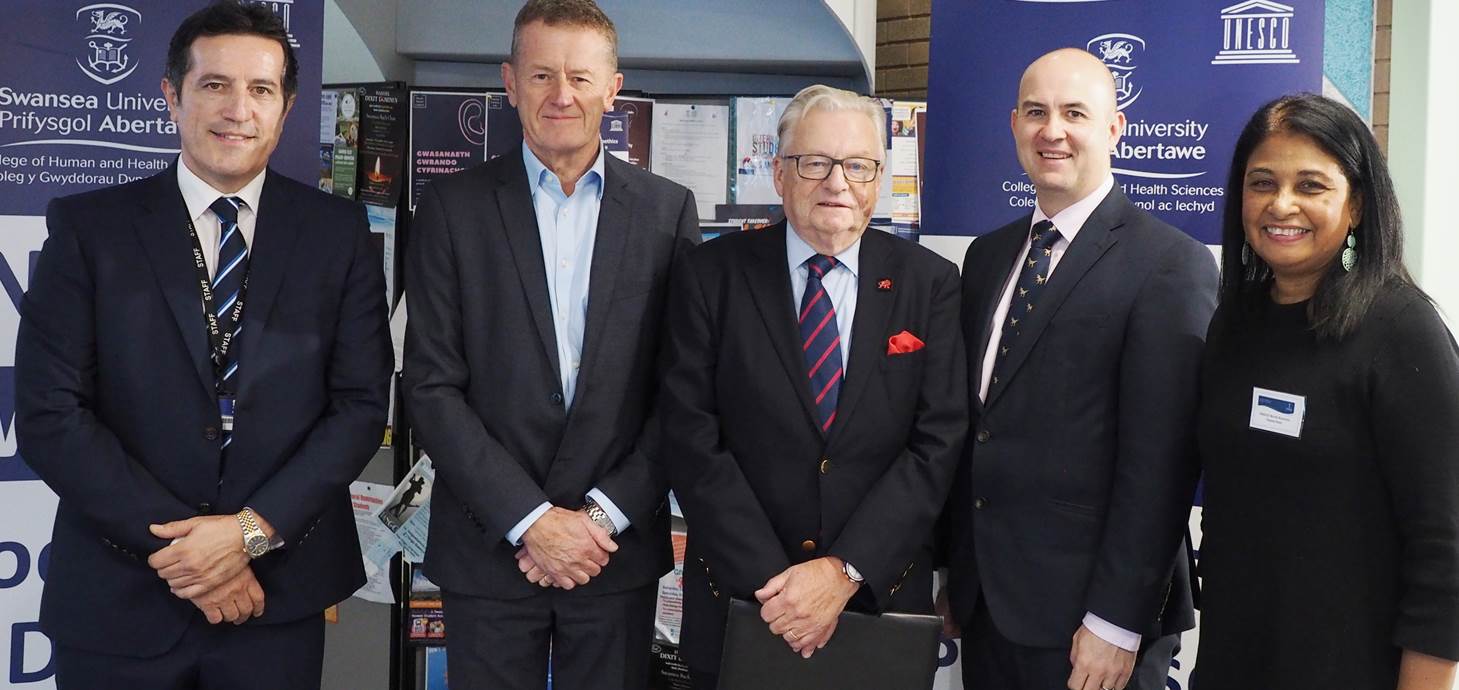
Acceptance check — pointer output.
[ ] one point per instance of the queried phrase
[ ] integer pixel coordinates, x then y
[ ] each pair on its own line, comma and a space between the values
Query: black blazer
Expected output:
760, 487
481, 381
116, 411
1076, 486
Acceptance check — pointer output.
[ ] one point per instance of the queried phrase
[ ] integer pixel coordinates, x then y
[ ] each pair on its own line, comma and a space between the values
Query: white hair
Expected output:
822, 97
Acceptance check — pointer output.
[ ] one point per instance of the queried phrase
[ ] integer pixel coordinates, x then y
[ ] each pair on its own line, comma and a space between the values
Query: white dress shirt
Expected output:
198, 195
1067, 222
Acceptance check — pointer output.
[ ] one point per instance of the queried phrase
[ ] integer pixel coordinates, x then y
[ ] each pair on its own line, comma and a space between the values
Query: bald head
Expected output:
1064, 125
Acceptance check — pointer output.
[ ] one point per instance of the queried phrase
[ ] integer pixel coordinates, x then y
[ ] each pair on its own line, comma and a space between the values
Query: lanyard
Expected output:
221, 341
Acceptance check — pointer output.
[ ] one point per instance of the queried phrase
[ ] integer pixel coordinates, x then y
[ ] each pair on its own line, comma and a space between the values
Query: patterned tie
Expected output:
227, 285
820, 340
1031, 281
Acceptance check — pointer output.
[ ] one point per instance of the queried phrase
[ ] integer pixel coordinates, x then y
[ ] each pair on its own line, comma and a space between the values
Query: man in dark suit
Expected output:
201, 369
1084, 324
811, 486
537, 283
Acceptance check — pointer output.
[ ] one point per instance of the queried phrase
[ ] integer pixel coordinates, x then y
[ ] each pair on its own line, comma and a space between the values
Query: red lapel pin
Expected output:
885, 284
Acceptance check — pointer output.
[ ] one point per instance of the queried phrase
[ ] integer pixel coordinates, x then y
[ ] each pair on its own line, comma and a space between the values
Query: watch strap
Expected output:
600, 517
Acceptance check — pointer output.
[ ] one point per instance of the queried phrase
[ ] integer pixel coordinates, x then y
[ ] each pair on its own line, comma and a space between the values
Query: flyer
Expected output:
383, 117
407, 513
328, 102
346, 142
756, 145
377, 544
627, 129
447, 134
690, 145
906, 206
503, 126
382, 235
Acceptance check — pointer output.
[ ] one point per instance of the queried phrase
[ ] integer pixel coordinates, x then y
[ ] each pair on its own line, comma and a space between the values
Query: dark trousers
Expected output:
596, 642
992, 662
282, 656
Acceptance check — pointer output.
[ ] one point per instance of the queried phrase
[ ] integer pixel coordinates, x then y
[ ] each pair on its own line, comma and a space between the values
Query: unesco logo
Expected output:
1256, 32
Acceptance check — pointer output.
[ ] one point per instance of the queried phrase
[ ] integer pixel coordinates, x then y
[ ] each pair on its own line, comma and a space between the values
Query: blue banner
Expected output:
80, 101
1188, 75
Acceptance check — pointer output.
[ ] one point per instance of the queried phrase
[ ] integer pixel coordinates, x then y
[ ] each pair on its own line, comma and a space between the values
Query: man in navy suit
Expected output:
201, 369
815, 402
1084, 324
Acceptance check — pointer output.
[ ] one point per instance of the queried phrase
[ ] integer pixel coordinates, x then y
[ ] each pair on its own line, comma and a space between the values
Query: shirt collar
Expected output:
538, 174
199, 195
797, 251
1069, 221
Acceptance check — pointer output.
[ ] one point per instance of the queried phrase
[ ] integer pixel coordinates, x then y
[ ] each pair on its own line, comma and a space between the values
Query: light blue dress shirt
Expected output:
840, 283
567, 226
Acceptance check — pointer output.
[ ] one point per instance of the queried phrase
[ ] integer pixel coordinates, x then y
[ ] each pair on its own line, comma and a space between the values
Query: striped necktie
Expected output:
228, 283
821, 340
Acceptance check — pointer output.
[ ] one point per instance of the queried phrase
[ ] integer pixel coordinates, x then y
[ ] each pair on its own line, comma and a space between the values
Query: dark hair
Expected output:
1342, 297
583, 14
224, 18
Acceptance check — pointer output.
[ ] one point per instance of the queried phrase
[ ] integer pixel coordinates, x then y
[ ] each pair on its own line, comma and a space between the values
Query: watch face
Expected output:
256, 546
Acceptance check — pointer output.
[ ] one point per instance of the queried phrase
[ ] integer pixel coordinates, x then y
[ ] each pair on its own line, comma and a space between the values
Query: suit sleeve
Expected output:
638, 484
1155, 460
60, 437
726, 519
1415, 402
481, 472
899, 513
346, 436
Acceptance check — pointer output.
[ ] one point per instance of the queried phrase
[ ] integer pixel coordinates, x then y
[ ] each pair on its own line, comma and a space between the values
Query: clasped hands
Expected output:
803, 603
206, 564
564, 548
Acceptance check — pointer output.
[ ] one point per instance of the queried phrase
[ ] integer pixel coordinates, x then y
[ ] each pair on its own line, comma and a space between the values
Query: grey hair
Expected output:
822, 97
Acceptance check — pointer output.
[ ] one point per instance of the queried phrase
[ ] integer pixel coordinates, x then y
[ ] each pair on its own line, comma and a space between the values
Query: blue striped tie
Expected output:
821, 340
227, 286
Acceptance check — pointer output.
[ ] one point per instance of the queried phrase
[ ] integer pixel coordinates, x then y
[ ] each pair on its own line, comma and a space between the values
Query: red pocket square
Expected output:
902, 343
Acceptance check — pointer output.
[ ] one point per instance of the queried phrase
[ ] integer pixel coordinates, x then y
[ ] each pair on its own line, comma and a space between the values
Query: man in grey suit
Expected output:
537, 283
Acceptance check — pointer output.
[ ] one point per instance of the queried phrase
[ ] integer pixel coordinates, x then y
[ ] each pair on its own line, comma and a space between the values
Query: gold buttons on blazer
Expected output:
825, 465
808, 546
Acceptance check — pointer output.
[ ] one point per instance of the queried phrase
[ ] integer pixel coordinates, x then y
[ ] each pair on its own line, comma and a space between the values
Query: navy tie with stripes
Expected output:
821, 340
228, 283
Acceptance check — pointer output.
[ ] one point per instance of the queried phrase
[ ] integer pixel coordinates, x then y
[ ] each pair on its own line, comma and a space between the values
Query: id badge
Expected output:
1278, 412
225, 411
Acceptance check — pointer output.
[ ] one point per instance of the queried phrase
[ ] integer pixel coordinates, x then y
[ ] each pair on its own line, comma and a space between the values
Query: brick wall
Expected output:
903, 26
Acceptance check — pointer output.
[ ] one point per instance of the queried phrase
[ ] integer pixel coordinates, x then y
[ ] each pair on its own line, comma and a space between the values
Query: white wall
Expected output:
1421, 145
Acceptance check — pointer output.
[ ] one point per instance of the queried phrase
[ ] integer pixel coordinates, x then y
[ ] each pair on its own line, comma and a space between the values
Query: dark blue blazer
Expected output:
1076, 484
116, 411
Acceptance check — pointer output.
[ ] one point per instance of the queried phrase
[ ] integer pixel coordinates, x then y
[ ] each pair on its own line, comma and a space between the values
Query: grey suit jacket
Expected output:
481, 372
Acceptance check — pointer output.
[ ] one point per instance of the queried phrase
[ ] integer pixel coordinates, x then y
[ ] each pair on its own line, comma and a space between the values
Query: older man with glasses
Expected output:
815, 399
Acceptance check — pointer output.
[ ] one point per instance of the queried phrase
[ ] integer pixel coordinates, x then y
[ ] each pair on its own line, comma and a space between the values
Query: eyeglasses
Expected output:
814, 167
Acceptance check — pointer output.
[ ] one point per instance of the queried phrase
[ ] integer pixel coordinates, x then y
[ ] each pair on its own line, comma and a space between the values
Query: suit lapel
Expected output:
274, 234
1002, 250
608, 245
869, 324
1093, 240
163, 234
519, 222
769, 279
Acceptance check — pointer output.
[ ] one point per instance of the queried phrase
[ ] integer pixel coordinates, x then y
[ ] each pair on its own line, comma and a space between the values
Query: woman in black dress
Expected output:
1328, 428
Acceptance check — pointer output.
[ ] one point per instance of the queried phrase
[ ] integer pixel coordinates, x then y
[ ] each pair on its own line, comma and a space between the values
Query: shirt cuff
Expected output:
1111, 633
620, 521
515, 535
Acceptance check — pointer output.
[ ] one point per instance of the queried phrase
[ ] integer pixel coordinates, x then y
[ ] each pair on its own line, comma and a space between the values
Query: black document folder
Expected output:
893, 651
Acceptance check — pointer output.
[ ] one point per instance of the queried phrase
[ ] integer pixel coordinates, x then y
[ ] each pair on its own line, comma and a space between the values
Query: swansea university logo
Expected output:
1256, 32
12, 468
1121, 53
107, 31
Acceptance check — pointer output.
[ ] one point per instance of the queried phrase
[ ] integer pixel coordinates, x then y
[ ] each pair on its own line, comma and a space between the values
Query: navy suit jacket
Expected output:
116, 410
761, 487
481, 371
1076, 484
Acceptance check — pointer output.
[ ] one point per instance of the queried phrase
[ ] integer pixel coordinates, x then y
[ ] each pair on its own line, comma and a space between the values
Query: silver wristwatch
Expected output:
852, 573
600, 517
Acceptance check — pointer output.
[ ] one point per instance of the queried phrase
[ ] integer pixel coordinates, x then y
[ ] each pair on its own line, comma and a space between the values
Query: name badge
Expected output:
1277, 412
225, 411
